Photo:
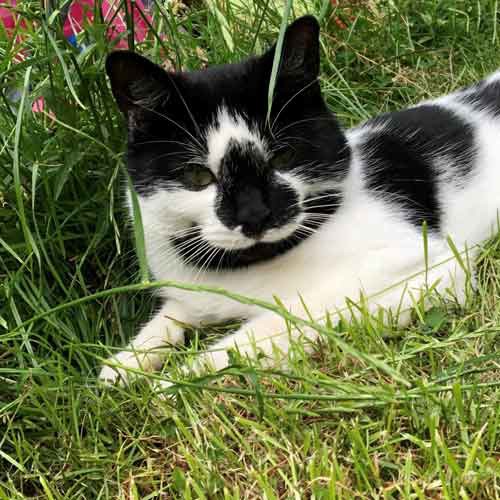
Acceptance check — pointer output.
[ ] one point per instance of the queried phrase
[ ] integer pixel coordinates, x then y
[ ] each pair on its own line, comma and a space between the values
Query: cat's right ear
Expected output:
300, 58
136, 82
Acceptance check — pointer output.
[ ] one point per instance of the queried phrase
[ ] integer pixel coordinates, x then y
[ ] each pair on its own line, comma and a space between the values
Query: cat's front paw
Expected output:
120, 368
162, 389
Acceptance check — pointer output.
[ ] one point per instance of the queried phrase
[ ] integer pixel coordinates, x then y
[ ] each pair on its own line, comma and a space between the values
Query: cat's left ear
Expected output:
137, 83
301, 55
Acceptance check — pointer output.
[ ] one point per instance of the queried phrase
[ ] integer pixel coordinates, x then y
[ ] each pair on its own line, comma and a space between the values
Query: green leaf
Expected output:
66, 72
277, 57
29, 240
140, 244
435, 318
178, 480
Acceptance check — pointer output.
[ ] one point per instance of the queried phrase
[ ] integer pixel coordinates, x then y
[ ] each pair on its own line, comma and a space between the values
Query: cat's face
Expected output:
231, 186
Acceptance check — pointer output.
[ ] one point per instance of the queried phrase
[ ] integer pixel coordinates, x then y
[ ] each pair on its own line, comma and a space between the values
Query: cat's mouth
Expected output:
223, 248
214, 246
234, 252
235, 239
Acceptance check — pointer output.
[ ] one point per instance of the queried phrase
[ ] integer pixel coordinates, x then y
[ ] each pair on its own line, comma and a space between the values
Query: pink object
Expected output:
10, 19
38, 106
7, 15
119, 25
82, 11
79, 13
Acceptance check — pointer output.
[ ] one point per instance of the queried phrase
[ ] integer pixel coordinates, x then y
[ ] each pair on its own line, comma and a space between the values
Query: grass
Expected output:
341, 423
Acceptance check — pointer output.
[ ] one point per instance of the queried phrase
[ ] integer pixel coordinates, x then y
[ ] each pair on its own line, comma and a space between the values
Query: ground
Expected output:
387, 413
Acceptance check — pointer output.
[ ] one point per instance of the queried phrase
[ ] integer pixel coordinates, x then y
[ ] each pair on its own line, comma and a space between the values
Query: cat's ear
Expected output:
300, 56
136, 82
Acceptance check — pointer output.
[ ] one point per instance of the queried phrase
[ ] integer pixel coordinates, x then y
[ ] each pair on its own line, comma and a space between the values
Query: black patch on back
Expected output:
483, 96
402, 160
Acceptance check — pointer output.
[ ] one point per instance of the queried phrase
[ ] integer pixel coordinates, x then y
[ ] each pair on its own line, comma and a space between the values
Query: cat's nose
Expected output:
252, 214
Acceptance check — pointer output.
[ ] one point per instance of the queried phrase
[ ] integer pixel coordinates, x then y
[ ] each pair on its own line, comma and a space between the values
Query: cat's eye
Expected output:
198, 177
283, 159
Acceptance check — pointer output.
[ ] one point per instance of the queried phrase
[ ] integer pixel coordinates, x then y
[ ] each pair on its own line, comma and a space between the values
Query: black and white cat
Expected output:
292, 206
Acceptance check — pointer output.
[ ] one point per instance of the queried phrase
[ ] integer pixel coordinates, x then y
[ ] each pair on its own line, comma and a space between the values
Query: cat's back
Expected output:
438, 161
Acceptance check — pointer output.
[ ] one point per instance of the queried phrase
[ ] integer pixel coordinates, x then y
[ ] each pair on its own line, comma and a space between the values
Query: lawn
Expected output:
376, 412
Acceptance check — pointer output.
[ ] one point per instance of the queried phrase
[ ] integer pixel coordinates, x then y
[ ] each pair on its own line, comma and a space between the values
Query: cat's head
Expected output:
215, 174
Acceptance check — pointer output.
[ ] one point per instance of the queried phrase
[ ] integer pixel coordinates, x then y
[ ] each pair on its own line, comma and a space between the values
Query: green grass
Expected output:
340, 423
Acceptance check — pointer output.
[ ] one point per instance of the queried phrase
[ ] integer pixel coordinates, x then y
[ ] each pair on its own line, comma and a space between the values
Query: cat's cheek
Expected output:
200, 203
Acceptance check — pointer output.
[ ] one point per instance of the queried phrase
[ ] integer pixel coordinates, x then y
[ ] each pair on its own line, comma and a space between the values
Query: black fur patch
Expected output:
402, 159
483, 96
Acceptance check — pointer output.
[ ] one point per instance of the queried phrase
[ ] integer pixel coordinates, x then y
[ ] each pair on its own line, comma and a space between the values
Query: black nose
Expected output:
252, 213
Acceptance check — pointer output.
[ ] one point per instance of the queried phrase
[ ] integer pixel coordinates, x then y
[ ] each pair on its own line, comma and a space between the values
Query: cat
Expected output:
290, 204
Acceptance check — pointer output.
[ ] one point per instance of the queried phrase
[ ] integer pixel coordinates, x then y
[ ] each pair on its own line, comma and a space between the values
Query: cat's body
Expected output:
358, 225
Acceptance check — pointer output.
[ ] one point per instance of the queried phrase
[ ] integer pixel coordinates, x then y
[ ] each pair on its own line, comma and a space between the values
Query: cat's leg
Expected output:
266, 335
445, 278
146, 351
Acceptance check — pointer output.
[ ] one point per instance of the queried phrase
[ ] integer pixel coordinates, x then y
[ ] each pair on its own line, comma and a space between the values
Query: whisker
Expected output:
166, 141
304, 203
210, 258
304, 120
328, 205
165, 117
319, 197
300, 139
316, 215
204, 260
288, 102
165, 155
194, 258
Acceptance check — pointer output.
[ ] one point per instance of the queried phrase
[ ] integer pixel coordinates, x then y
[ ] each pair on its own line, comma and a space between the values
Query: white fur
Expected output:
367, 246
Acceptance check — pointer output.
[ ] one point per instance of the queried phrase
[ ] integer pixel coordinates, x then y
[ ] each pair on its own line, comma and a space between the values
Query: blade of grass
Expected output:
277, 57
29, 240
67, 76
297, 321
224, 26
140, 244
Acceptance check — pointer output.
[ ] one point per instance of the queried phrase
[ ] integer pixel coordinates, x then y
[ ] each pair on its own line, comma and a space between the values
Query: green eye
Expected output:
283, 159
198, 177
